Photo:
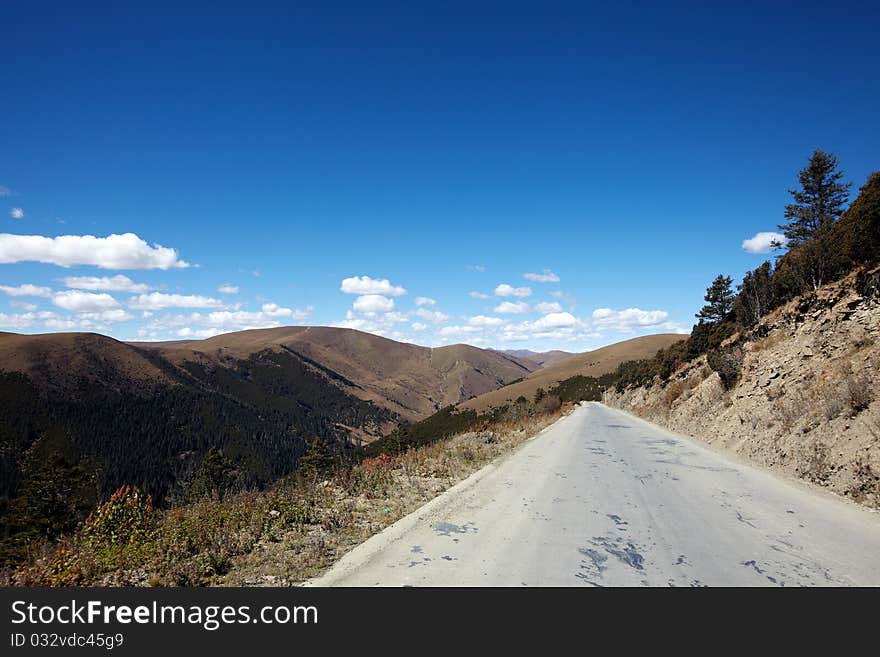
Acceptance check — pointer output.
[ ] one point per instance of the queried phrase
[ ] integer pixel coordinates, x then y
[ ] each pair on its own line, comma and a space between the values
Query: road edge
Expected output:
363, 553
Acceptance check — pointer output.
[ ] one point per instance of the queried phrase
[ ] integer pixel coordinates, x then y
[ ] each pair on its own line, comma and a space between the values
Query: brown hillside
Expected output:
806, 402
407, 379
591, 363
542, 358
52, 358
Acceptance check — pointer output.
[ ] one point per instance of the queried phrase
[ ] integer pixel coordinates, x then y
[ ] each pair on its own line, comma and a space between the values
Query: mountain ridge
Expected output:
591, 363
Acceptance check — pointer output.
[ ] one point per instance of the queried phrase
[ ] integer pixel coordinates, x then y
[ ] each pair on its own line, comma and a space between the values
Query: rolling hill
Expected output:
591, 363
149, 414
410, 381
542, 358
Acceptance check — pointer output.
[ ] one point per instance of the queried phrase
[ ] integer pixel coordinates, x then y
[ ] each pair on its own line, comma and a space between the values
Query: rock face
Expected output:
807, 401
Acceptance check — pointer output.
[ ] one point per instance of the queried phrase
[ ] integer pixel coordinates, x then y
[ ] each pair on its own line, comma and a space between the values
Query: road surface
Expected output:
601, 498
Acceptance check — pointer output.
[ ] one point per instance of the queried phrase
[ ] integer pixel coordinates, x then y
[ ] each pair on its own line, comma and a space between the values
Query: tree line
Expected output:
823, 241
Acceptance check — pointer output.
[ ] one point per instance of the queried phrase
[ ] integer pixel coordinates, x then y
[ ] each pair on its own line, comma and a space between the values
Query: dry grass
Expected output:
768, 341
673, 391
844, 392
859, 393
281, 536
790, 410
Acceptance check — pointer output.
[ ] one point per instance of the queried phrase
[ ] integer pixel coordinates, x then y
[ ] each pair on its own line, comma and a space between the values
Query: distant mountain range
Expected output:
542, 358
591, 363
147, 413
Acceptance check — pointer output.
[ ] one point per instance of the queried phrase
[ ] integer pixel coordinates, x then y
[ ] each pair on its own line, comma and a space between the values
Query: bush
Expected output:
126, 518
549, 404
727, 361
858, 392
317, 460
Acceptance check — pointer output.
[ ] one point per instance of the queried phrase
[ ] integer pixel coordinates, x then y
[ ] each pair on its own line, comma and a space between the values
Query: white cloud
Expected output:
626, 321
16, 213
228, 289
431, 315
274, 310
763, 242
418, 326
241, 319
187, 332
479, 268
505, 290
84, 301
555, 320
98, 320
17, 321
364, 285
548, 307
160, 300
26, 290
478, 295
457, 331
384, 324
117, 283
107, 316
512, 308
127, 251
24, 305
425, 301
483, 320
373, 303
5, 191
202, 325
546, 277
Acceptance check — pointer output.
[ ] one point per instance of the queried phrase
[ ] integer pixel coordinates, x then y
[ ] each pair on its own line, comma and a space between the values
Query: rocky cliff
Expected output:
799, 393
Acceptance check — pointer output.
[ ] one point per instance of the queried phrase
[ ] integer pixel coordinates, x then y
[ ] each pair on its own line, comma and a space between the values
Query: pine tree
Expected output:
719, 297
818, 203
755, 296
317, 460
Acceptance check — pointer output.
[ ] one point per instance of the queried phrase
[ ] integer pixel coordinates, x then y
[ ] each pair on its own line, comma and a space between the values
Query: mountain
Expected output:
804, 399
591, 363
410, 381
542, 358
105, 413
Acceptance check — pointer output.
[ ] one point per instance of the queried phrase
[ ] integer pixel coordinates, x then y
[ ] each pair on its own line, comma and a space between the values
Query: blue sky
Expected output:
424, 153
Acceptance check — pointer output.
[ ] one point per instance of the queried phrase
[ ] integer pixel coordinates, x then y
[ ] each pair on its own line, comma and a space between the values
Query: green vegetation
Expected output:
445, 422
825, 244
292, 529
213, 431
719, 300
818, 203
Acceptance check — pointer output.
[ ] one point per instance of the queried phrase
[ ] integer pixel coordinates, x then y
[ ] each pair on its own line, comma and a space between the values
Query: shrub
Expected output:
549, 404
727, 361
858, 392
127, 518
768, 342
317, 460
673, 391
832, 404
380, 462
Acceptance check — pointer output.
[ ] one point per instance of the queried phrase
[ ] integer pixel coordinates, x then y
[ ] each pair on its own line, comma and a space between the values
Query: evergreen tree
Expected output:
719, 298
855, 239
52, 500
317, 460
818, 203
755, 296
215, 477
